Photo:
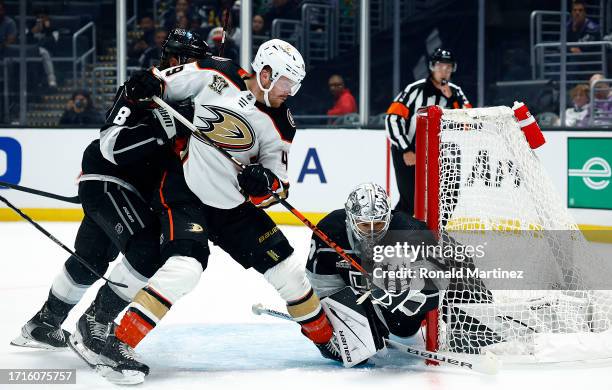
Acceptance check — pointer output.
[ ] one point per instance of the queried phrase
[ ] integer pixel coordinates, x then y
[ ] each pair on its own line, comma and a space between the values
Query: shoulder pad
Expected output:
282, 118
333, 222
231, 71
401, 221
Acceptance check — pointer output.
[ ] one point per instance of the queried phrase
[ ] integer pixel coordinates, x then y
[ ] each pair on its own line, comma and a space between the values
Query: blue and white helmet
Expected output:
368, 212
284, 60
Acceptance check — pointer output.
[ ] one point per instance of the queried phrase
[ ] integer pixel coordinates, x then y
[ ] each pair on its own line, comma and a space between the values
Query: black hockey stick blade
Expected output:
69, 199
58, 242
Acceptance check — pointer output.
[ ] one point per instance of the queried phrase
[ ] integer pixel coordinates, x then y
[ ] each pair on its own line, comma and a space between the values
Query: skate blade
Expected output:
123, 377
76, 344
25, 342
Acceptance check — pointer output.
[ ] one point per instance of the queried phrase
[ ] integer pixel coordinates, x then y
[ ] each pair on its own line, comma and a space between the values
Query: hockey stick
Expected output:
487, 364
225, 27
69, 199
300, 216
59, 243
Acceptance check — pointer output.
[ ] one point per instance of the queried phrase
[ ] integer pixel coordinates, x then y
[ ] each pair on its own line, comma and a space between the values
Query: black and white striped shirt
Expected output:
401, 121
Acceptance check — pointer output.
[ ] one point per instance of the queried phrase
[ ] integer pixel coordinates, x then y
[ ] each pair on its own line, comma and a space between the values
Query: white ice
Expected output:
211, 340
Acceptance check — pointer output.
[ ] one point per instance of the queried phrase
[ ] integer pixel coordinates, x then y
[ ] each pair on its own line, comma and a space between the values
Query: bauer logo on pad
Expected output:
10, 160
589, 182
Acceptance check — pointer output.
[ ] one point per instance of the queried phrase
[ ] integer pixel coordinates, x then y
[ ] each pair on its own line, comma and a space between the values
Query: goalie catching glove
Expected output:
258, 182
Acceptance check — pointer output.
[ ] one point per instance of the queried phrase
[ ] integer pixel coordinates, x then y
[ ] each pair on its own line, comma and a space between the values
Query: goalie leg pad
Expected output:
351, 326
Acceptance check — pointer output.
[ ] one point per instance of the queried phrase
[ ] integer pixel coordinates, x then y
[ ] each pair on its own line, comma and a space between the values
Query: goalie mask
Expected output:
283, 60
368, 213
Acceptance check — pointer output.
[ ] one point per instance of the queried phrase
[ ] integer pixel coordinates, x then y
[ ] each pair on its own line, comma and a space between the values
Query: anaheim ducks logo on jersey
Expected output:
226, 128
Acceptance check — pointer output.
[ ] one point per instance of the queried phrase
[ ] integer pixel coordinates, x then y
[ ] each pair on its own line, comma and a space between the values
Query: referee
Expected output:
401, 119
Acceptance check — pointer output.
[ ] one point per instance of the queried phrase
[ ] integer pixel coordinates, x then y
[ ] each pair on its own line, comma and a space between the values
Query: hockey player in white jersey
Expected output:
203, 196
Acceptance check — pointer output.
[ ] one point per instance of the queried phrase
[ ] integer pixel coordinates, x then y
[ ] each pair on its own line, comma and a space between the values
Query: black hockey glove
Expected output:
143, 85
256, 180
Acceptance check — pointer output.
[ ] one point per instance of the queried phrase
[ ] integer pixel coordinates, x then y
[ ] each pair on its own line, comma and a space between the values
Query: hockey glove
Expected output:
143, 85
256, 180
167, 126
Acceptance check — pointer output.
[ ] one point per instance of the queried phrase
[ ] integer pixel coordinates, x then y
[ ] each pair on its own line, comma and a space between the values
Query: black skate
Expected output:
119, 364
89, 337
43, 331
331, 350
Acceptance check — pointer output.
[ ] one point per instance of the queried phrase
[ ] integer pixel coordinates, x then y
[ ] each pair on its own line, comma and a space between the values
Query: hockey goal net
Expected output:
478, 182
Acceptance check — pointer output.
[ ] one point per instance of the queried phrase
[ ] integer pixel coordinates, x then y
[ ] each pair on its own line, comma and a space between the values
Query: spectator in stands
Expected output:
182, 21
172, 16
145, 40
282, 9
577, 116
43, 37
151, 56
601, 106
8, 29
260, 34
259, 26
580, 28
344, 102
147, 27
80, 111
214, 41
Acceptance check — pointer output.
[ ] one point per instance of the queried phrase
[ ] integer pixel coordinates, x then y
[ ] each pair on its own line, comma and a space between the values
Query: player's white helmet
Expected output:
284, 60
368, 212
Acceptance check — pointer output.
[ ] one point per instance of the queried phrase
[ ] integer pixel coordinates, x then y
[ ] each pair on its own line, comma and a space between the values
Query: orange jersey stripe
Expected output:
400, 109
163, 202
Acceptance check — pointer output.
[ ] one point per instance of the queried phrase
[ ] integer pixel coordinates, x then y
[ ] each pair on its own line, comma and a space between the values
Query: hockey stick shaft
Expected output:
58, 242
69, 199
282, 201
487, 365
225, 28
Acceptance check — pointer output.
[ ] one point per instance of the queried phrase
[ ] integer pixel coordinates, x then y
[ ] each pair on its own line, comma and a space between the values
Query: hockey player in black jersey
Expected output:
367, 221
119, 174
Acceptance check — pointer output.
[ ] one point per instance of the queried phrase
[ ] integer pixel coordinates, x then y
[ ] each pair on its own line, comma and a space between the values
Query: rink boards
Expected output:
324, 165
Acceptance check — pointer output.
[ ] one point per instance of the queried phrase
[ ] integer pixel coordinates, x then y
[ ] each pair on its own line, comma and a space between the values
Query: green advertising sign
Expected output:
589, 173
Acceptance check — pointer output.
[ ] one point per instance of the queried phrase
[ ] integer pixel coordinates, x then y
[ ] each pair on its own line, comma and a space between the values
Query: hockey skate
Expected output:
43, 331
119, 364
331, 349
89, 337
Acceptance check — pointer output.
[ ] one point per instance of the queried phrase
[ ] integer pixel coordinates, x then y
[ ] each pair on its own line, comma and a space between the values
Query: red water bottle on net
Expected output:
528, 125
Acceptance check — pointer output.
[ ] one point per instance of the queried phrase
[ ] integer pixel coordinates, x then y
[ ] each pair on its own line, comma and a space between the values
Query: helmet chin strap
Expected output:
266, 91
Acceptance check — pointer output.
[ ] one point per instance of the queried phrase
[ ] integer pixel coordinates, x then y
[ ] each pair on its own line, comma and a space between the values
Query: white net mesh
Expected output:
495, 192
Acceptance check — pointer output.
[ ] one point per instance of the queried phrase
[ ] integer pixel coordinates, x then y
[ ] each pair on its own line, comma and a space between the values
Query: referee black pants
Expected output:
404, 175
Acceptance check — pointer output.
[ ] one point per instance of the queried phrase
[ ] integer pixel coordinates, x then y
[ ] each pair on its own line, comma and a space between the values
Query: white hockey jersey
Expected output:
226, 111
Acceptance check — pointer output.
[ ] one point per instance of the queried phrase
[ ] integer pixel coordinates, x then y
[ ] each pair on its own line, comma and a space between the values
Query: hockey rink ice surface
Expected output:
211, 340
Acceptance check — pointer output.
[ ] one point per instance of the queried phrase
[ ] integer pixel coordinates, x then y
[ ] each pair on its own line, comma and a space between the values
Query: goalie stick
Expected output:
486, 364
69, 199
58, 242
287, 205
